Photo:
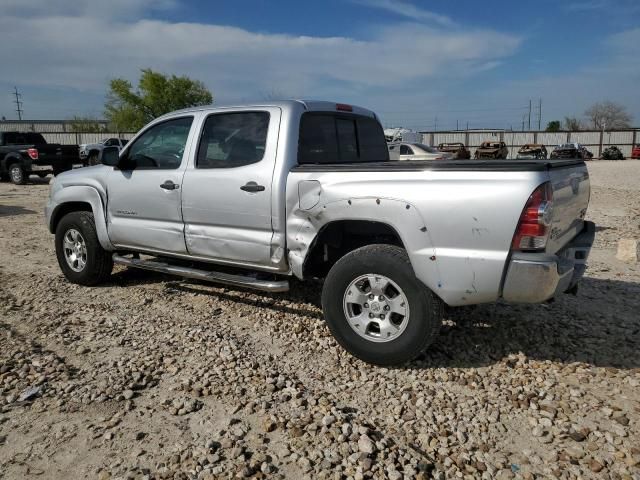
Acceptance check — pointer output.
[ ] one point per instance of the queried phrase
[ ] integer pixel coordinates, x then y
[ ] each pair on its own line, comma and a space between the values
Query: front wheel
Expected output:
377, 309
80, 255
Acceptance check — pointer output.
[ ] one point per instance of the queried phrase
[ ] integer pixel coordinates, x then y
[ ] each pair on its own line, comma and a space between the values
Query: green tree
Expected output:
157, 94
553, 126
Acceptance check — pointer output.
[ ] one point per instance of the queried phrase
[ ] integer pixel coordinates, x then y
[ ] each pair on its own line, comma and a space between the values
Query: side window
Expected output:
161, 147
233, 139
112, 142
405, 150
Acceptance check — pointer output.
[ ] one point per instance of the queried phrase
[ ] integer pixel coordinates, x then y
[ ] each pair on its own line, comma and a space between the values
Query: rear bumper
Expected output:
532, 279
40, 168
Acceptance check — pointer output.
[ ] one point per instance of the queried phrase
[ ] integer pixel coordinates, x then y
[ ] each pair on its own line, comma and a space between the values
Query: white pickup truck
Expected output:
252, 195
90, 152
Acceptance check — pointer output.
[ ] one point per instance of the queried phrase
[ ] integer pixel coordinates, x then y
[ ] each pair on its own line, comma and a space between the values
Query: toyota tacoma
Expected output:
251, 196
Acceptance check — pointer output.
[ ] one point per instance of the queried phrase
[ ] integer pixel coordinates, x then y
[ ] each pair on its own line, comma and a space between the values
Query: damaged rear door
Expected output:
226, 201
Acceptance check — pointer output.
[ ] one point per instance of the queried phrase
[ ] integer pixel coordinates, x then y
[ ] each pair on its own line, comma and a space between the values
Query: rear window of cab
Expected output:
327, 138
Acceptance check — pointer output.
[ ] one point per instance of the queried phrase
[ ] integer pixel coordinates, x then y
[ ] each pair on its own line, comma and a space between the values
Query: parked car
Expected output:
254, 195
635, 151
571, 150
398, 135
416, 151
90, 152
492, 149
458, 150
28, 153
612, 153
532, 150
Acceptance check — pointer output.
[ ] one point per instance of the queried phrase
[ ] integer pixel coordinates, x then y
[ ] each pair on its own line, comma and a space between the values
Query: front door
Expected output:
144, 193
226, 202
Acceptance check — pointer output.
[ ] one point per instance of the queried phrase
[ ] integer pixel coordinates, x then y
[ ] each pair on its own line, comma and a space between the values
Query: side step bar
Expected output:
205, 275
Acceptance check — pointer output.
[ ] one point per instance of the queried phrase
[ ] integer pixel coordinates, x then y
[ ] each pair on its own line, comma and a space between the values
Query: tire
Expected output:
92, 159
97, 261
413, 333
17, 175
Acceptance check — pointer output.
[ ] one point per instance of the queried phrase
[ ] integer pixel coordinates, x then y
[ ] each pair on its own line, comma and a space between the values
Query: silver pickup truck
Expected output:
251, 196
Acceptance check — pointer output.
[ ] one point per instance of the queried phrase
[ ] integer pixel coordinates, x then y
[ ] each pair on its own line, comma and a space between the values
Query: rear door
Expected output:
144, 193
226, 200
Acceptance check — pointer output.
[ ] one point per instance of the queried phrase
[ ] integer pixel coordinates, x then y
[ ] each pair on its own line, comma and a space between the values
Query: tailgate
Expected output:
54, 153
571, 191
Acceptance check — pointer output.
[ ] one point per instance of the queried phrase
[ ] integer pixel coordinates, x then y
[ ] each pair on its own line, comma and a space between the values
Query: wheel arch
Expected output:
81, 198
9, 159
388, 220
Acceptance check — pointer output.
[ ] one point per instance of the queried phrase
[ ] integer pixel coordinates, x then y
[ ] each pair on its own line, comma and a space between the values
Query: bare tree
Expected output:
572, 123
608, 115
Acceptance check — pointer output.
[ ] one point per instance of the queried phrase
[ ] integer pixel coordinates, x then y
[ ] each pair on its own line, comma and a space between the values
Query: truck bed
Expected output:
528, 165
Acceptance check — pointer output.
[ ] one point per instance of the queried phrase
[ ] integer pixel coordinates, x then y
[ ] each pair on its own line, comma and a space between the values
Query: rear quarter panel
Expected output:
457, 226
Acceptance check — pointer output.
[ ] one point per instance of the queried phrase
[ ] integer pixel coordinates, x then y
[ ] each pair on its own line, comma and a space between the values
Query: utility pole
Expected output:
457, 126
529, 114
467, 126
18, 102
540, 114
435, 124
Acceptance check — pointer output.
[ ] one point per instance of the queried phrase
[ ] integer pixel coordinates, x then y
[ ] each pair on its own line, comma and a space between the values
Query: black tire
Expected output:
17, 175
426, 309
99, 263
93, 159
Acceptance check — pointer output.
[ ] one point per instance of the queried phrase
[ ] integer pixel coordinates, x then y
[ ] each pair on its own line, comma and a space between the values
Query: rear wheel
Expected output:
377, 309
80, 255
17, 174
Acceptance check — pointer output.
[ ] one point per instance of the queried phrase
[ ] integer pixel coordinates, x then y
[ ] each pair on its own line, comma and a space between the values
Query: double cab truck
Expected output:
26, 153
252, 196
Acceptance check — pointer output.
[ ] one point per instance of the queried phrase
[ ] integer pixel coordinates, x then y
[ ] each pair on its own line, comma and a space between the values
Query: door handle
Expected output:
252, 187
169, 185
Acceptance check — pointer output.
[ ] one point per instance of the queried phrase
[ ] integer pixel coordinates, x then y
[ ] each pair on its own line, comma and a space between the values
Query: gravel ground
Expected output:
153, 377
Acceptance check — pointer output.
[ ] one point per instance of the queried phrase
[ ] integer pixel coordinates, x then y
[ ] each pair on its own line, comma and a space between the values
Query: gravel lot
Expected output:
151, 376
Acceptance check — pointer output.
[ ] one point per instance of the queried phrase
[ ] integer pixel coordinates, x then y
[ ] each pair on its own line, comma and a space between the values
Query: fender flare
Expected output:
303, 227
8, 160
88, 195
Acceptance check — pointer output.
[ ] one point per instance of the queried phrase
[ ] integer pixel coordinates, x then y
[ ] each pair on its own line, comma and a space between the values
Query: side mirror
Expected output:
110, 156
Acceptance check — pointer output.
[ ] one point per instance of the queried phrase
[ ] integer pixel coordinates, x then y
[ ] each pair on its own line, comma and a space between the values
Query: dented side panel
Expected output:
457, 227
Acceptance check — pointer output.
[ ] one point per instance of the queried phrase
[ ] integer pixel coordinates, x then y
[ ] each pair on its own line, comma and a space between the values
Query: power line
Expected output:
540, 114
18, 102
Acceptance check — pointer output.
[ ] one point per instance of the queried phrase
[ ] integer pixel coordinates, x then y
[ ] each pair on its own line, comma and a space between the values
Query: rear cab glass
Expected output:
327, 138
13, 138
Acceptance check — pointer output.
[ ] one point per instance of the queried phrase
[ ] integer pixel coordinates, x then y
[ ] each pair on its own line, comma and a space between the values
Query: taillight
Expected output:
33, 153
535, 221
343, 107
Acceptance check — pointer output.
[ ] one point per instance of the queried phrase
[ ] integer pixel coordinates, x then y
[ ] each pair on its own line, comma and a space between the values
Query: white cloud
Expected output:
406, 9
85, 51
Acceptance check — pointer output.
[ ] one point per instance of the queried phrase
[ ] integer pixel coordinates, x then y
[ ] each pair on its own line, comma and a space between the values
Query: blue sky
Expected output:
419, 64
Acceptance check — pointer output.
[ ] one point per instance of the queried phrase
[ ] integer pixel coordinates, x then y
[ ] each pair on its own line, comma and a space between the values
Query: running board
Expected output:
207, 276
